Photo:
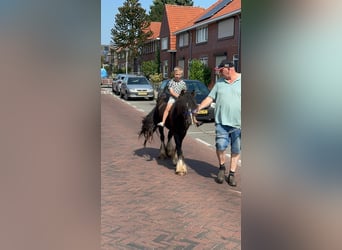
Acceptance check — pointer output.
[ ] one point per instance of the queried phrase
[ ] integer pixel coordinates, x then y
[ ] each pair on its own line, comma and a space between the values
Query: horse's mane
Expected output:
186, 99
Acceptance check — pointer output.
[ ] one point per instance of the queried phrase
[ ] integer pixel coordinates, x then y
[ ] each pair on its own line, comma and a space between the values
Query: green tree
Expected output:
157, 9
130, 28
199, 71
148, 68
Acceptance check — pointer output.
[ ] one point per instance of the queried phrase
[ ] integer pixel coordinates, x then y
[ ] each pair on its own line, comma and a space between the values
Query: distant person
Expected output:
227, 95
104, 73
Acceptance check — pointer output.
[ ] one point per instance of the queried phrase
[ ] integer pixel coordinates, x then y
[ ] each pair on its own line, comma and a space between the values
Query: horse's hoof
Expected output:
180, 173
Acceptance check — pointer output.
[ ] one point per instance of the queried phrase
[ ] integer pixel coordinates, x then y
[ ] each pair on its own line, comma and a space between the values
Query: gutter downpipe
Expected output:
190, 54
239, 43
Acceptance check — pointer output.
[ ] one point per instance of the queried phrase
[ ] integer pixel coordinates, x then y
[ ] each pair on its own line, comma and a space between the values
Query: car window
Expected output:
137, 80
190, 86
201, 88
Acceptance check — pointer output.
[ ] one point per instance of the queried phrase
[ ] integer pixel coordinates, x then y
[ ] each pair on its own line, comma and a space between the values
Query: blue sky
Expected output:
109, 9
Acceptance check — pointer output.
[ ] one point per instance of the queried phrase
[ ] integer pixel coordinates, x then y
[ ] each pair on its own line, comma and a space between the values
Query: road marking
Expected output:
205, 143
209, 145
235, 191
105, 92
192, 133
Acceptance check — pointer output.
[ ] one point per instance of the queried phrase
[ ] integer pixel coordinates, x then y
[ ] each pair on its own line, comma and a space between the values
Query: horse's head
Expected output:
186, 103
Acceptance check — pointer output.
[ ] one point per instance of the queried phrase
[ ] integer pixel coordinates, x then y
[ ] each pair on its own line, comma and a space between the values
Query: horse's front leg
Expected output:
170, 150
178, 159
162, 151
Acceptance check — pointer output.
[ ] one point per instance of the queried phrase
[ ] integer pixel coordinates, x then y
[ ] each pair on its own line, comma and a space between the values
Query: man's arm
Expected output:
205, 103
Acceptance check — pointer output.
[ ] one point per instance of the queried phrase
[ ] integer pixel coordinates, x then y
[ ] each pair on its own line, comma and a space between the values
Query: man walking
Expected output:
227, 95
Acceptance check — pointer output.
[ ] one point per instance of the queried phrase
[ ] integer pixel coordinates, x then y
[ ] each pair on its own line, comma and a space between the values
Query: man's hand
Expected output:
197, 109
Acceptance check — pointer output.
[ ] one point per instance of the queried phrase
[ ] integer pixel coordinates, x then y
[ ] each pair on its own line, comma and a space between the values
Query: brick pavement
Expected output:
146, 206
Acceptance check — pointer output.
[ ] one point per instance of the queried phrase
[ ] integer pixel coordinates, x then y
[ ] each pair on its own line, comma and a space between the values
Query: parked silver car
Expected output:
116, 85
133, 86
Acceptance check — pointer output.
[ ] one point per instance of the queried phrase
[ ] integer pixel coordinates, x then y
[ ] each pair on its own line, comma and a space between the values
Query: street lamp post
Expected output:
126, 49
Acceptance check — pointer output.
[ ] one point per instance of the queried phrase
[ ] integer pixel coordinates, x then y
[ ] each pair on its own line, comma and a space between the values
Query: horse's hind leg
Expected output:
181, 168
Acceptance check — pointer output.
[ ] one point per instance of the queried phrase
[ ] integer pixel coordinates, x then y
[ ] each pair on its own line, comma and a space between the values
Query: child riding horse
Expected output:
178, 121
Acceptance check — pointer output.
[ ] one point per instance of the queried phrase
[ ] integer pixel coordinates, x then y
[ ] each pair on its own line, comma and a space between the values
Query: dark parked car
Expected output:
133, 86
116, 85
201, 92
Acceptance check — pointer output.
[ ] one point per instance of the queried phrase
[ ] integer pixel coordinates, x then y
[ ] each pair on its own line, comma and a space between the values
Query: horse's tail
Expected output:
148, 127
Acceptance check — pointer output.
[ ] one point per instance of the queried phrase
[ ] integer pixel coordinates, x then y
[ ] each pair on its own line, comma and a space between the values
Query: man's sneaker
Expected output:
160, 124
220, 176
231, 180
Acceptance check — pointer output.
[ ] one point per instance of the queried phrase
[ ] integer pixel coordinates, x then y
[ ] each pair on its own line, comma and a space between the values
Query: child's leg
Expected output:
166, 112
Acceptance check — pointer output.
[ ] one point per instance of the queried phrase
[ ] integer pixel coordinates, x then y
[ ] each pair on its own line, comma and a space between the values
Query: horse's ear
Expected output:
182, 92
193, 92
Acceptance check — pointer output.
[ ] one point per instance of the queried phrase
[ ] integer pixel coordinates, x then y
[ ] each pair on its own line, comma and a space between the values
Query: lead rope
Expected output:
191, 117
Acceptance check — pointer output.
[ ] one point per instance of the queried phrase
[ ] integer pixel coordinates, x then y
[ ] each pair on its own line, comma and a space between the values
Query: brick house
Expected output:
188, 33
152, 45
214, 35
174, 18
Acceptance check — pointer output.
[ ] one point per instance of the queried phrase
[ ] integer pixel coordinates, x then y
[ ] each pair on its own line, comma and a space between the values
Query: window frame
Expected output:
202, 34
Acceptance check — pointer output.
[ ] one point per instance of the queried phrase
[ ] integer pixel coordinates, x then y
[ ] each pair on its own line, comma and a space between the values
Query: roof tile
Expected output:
179, 16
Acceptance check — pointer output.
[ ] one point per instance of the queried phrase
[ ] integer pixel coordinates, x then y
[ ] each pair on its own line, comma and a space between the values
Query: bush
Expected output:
156, 79
149, 67
199, 71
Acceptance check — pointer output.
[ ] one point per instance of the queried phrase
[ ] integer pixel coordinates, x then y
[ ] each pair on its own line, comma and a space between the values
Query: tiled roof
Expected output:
155, 28
178, 16
233, 6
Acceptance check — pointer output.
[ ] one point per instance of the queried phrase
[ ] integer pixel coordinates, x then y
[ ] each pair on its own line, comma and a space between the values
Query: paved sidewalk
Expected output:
146, 206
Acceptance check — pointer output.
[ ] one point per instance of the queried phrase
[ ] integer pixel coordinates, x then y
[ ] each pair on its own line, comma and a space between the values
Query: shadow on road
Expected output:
200, 167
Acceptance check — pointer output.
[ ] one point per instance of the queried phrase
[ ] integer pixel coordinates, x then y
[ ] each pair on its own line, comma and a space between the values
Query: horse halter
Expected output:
190, 113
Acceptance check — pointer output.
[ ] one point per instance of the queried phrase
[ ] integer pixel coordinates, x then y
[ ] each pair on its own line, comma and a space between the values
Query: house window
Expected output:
218, 60
165, 69
181, 63
236, 61
164, 42
202, 34
204, 60
184, 39
226, 28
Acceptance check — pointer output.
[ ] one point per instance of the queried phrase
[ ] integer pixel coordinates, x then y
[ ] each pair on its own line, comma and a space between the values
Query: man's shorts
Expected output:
227, 135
